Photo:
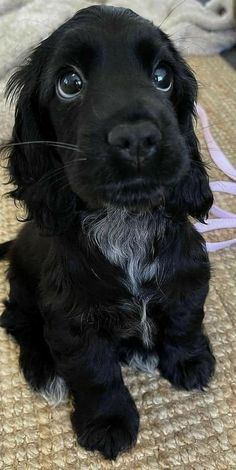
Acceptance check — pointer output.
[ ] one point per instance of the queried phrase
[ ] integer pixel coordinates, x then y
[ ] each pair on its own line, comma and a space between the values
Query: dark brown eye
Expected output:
163, 77
69, 85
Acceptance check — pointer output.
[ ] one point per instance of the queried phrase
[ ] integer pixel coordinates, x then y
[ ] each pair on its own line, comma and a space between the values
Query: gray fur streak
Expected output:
141, 325
148, 364
55, 391
126, 239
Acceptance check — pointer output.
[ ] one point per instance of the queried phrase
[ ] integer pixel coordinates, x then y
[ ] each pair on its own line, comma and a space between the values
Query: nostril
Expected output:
119, 138
125, 144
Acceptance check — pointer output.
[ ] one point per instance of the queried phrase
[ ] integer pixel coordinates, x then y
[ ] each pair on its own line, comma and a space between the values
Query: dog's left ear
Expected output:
192, 195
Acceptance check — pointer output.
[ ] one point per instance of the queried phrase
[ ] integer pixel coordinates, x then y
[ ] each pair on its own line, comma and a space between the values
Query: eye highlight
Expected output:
163, 77
69, 84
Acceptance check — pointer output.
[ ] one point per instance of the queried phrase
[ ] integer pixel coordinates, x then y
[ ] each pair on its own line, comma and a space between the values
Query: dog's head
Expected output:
104, 117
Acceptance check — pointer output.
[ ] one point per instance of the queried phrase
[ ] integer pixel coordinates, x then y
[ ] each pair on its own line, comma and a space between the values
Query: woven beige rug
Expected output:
178, 430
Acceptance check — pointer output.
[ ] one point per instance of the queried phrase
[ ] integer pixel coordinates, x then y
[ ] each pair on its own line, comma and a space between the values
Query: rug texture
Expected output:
178, 430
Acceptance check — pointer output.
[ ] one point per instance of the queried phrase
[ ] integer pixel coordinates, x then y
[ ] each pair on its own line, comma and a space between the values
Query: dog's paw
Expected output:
110, 434
190, 374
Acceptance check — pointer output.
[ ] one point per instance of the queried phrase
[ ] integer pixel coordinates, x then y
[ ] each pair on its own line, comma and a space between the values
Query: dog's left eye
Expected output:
69, 85
163, 77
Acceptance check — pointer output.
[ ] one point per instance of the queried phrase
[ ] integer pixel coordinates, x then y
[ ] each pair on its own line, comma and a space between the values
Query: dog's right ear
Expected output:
26, 164
31, 161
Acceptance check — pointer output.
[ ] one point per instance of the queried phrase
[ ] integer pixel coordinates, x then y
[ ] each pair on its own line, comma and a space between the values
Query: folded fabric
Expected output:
196, 29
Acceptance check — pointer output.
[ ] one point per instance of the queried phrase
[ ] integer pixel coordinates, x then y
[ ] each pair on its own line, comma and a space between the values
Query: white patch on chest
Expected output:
126, 240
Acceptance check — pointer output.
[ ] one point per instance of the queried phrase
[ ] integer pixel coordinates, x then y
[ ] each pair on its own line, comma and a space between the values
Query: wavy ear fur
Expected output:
192, 195
32, 166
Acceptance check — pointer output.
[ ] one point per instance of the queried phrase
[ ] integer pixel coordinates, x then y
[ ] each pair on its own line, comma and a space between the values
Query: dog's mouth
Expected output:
140, 185
138, 193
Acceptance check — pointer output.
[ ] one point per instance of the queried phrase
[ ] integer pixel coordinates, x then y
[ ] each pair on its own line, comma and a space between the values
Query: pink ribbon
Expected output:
225, 219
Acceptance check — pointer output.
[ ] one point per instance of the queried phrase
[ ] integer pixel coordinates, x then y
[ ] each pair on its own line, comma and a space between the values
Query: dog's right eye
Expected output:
69, 85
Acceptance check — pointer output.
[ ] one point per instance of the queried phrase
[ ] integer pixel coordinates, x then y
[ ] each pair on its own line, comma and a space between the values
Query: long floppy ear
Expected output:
32, 164
193, 194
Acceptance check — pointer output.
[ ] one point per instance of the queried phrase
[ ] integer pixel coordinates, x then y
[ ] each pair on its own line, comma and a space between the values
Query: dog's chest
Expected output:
126, 240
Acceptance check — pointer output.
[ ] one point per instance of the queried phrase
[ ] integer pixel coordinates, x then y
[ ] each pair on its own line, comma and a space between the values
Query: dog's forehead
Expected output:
108, 18
107, 29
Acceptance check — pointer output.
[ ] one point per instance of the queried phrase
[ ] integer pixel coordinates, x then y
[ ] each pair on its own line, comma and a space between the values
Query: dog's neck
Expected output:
127, 240
119, 226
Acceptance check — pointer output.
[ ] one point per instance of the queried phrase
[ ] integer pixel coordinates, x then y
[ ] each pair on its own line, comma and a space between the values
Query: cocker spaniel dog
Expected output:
108, 269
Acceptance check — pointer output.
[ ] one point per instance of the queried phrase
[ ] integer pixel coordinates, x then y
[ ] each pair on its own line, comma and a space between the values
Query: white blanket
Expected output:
195, 29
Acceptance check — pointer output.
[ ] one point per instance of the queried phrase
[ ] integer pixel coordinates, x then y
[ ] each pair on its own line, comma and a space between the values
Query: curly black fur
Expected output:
108, 268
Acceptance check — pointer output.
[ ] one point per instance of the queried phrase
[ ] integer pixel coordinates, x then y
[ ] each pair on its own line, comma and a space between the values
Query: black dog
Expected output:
108, 269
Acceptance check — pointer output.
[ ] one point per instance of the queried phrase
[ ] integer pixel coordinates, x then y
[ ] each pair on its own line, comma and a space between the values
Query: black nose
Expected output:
137, 141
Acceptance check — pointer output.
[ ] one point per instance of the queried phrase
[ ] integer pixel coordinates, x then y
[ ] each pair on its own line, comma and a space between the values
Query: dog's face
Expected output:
112, 93
112, 85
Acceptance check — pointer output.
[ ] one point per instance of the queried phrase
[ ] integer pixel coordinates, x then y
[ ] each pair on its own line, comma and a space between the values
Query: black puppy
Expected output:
108, 269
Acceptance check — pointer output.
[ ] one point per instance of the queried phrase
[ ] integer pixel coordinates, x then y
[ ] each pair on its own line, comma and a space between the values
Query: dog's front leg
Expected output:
185, 356
105, 417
